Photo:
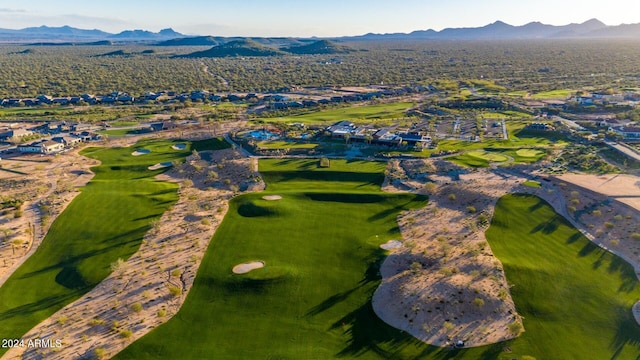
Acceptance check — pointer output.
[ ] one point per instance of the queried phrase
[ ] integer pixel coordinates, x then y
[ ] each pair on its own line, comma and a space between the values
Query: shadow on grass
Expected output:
627, 334
371, 276
73, 261
42, 304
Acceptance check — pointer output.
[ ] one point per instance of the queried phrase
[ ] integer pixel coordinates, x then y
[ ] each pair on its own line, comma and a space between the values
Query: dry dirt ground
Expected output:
444, 284
149, 288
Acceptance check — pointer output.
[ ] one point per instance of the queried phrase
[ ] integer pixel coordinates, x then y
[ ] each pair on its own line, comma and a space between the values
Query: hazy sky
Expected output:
307, 18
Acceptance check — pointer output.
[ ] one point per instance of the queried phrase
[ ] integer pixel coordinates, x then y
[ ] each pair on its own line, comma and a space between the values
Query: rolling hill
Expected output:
244, 47
319, 47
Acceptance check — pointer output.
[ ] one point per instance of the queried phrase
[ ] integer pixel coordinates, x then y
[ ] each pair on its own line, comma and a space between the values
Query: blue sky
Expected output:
307, 18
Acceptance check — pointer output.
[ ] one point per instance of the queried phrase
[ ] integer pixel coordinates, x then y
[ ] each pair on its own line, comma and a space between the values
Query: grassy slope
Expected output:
105, 222
312, 300
353, 113
575, 298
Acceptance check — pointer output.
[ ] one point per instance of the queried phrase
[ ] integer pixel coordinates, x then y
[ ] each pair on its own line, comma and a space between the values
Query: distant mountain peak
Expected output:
593, 22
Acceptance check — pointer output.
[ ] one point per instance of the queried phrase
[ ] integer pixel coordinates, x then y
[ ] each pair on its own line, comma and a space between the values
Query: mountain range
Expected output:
47, 34
593, 28
498, 30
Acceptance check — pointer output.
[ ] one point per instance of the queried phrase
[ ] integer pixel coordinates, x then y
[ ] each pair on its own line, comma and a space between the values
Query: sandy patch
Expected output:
391, 244
160, 166
622, 187
247, 267
179, 147
141, 152
272, 197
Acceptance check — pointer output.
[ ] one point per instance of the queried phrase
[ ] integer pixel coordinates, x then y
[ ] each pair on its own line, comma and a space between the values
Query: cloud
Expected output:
9, 10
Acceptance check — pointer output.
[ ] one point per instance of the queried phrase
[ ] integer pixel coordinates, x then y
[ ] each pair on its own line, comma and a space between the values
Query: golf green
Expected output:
106, 221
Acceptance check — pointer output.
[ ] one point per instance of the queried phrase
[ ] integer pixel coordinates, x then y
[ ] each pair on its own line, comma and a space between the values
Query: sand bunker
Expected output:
246, 267
272, 197
391, 244
140, 152
179, 146
160, 166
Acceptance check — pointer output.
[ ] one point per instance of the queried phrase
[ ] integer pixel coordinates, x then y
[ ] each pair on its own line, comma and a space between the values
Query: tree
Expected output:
15, 243
6, 232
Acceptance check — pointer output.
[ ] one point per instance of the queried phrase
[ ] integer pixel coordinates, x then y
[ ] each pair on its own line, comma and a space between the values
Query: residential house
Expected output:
415, 139
341, 129
16, 133
164, 125
41, 147
628, 132
67, 141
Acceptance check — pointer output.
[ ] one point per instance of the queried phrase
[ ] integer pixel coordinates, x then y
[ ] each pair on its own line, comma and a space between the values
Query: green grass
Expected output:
521, 93
478, 158
354, 113
106, 221
118, 132
320, 244
506, 114
532, 183
554, 94
127, 123
286, 145
575, 297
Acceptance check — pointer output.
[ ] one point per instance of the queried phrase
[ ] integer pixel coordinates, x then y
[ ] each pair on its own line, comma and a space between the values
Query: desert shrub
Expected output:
136, 307
635, 236
448, 326
161, 313
515, 327
478, 302
99, 353
452, 197
325, 162
96, 321
125, 333
471, 209
503, 294
175, 291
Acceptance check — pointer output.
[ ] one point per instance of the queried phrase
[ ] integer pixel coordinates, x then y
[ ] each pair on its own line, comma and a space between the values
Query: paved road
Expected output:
625, 150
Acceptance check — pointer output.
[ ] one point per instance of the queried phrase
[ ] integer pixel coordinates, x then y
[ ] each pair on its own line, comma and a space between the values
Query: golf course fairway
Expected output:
575, 297
106, 221
311, 300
